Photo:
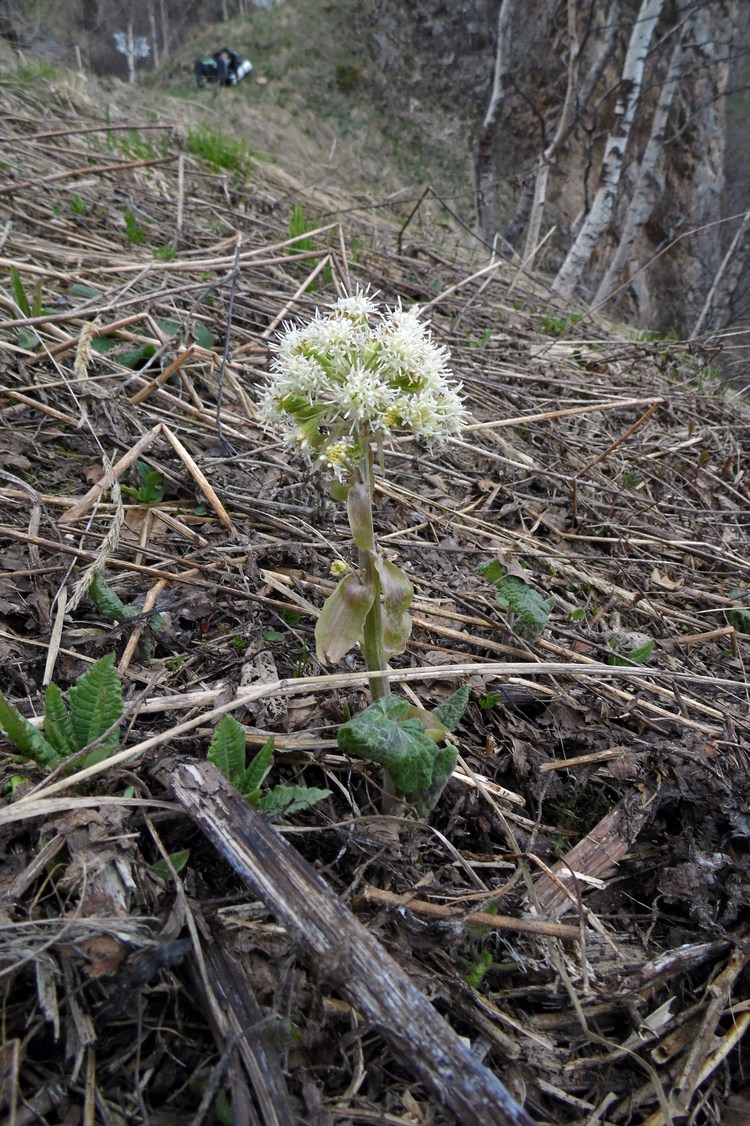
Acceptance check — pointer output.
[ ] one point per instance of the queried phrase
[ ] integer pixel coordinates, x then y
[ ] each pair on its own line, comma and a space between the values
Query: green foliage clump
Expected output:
221, 151
531, 612
404, 740
94, 705
227, 752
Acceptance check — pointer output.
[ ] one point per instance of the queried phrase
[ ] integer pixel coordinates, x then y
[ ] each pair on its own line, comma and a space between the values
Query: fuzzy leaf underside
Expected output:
451, 711
96, 703
426, 799
29, 741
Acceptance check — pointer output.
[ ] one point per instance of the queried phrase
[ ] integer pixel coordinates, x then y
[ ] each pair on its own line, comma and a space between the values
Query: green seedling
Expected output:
529, 609
220, 150
134, 232
739, 614
94, 705
150, 488
114, 610
340, 387
167, 252
77, 205
227, 752
637, 656
177, 860
489, 700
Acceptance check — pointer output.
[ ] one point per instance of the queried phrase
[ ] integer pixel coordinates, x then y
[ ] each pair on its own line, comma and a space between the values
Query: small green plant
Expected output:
77, 205
489, 700
134, 232
529, 609
227, 752
406, 741
167, 252
557, 325
220, 150
95, 704
339, 386
150, 488
637, 656
479, 341
114, 610
738, 615
631, 479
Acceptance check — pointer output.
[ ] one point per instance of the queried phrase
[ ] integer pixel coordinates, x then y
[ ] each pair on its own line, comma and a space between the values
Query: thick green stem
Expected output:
372, 636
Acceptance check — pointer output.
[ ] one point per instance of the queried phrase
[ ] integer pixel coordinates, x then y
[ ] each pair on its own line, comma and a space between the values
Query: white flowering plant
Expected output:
341, 386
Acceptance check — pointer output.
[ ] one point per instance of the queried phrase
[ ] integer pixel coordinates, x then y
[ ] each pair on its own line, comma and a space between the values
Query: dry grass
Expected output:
613, 469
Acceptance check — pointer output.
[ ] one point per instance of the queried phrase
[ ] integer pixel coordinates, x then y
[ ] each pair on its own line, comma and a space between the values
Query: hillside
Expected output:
575, 907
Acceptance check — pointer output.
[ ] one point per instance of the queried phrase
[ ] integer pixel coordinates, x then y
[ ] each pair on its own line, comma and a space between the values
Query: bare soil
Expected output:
576, 907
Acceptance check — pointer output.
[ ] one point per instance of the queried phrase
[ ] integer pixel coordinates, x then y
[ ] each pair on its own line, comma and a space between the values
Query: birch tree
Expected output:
485, 185
650, 182
603, 204
577, 94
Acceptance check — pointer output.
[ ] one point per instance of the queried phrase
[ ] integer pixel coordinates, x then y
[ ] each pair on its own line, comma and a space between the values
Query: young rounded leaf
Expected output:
397, 594
342, 619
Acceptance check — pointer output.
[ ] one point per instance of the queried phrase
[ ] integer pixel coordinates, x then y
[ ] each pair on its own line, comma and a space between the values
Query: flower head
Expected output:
354, 371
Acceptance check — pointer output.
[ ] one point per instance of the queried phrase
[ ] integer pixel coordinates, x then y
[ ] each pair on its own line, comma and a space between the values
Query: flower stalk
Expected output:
346, 380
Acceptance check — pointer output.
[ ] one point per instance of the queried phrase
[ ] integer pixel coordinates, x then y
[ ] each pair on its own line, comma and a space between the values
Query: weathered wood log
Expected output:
339, 949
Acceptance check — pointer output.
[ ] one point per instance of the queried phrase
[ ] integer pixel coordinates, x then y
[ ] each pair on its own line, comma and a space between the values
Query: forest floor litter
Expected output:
571, 922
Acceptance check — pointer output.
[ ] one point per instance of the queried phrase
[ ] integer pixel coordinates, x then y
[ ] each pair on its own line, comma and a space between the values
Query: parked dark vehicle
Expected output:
223, 68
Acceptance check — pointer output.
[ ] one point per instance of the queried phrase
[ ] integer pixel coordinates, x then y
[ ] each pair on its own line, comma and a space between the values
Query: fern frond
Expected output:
58, 726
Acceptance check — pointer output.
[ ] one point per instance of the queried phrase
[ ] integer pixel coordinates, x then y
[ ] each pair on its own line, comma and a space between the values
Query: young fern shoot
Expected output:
340, 386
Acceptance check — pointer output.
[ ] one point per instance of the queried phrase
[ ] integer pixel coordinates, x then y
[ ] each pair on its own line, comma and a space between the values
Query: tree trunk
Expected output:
715, 311
485, 186
602, 207
154, 36
650, 183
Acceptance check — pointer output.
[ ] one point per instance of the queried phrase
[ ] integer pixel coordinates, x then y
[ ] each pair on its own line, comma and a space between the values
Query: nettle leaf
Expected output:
58, 724
29, 741
385, 734
227, 749
451, 711
291, 799
342, 619
397, 594
96, 703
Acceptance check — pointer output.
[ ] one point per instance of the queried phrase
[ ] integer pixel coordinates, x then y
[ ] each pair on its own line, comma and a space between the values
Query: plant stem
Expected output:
372, 636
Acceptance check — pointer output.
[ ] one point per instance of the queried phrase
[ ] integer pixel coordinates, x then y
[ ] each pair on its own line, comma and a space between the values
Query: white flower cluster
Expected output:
356, 372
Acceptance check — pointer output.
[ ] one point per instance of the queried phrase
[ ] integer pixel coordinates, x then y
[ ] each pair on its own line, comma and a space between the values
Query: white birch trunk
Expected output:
130, 53
484, 164
650, 183
561, 133
727, 276
602, 207
154, 36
